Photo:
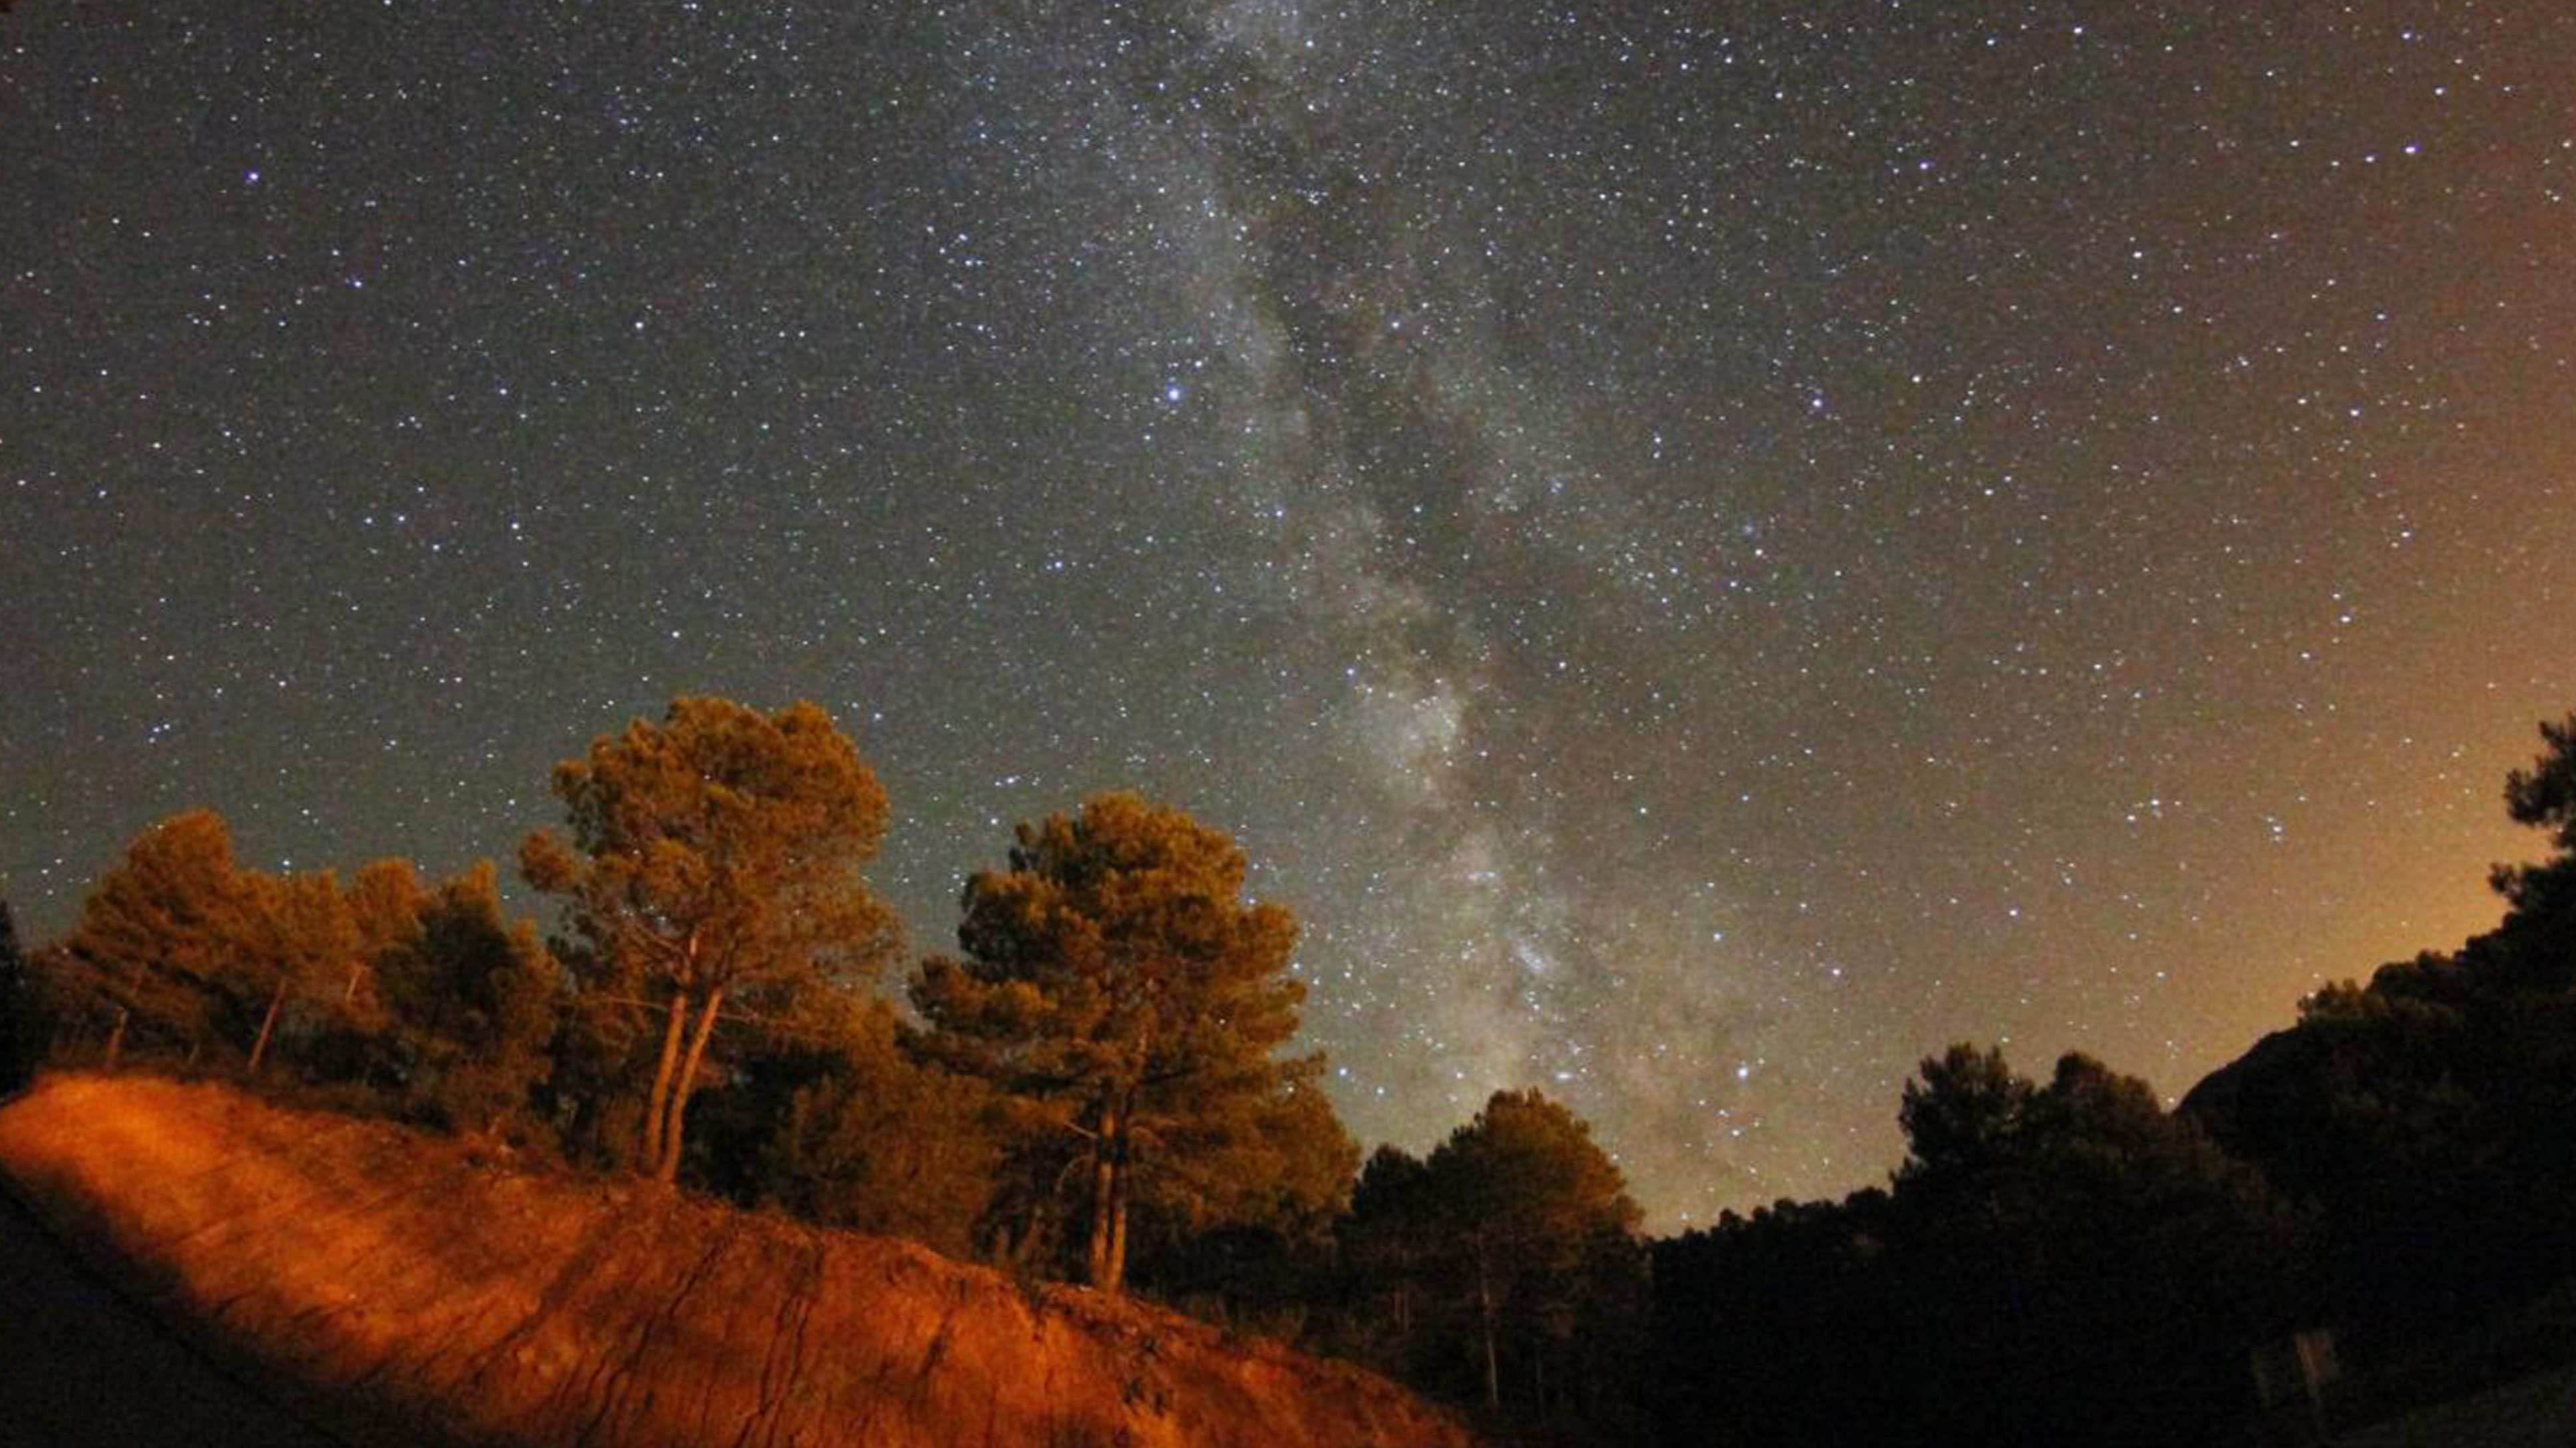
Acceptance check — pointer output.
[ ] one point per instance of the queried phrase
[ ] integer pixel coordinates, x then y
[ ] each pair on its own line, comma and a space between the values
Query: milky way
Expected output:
1706, 552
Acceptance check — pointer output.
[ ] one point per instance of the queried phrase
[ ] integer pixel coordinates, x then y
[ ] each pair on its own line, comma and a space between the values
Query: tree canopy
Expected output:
842, 1123
1514, 1243
2537, 941
1117, 986
2059, 1261
191, 953
713, 856
471, 998
2544, 796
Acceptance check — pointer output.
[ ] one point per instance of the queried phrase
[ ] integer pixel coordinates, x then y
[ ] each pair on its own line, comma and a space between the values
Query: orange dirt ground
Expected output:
400, 1289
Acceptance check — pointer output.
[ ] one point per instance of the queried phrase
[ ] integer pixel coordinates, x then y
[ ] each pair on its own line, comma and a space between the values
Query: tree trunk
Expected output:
1022, 1242
268, 1024
651, 1147
1485, 1309
1104, 1172
116, 1038
1121, 1171
673, 1118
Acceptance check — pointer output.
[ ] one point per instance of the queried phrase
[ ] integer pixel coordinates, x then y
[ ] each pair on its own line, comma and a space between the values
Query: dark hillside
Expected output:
81, 1365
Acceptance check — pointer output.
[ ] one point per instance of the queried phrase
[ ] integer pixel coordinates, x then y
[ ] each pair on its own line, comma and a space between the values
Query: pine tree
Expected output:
182, 950
1119, 989
467, 999
714, 857
1541, 1235
843, 1125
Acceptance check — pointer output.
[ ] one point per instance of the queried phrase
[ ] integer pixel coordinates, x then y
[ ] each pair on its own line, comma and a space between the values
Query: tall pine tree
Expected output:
1119, 988
714, 857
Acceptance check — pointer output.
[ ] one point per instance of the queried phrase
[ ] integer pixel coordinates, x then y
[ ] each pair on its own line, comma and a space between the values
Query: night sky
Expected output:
1705, 551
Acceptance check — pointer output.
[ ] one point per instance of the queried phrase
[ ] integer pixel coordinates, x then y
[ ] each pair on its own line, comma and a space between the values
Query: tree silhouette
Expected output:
1393, 1244
1118, 988
1963, 1111
2095, 1259
2544, 796
2534, 950
714, 856
2058, 1262
2426, 1112
1534, 1233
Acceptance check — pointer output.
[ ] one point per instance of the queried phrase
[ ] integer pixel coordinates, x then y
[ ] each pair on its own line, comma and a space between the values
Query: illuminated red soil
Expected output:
400, 1289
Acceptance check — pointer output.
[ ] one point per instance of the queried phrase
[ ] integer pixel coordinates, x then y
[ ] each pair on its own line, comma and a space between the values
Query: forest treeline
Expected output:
1099, 1085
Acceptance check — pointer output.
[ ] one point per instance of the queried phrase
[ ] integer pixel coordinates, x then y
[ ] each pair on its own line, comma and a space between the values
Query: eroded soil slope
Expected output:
402, 1290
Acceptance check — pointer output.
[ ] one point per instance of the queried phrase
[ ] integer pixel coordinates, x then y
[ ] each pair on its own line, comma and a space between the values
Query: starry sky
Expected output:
1706, 551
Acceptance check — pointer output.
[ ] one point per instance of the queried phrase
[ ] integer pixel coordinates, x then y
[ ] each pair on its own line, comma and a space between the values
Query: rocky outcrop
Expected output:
401, 1288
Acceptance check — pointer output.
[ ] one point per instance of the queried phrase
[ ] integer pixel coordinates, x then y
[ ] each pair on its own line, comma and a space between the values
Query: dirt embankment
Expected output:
396, 1288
